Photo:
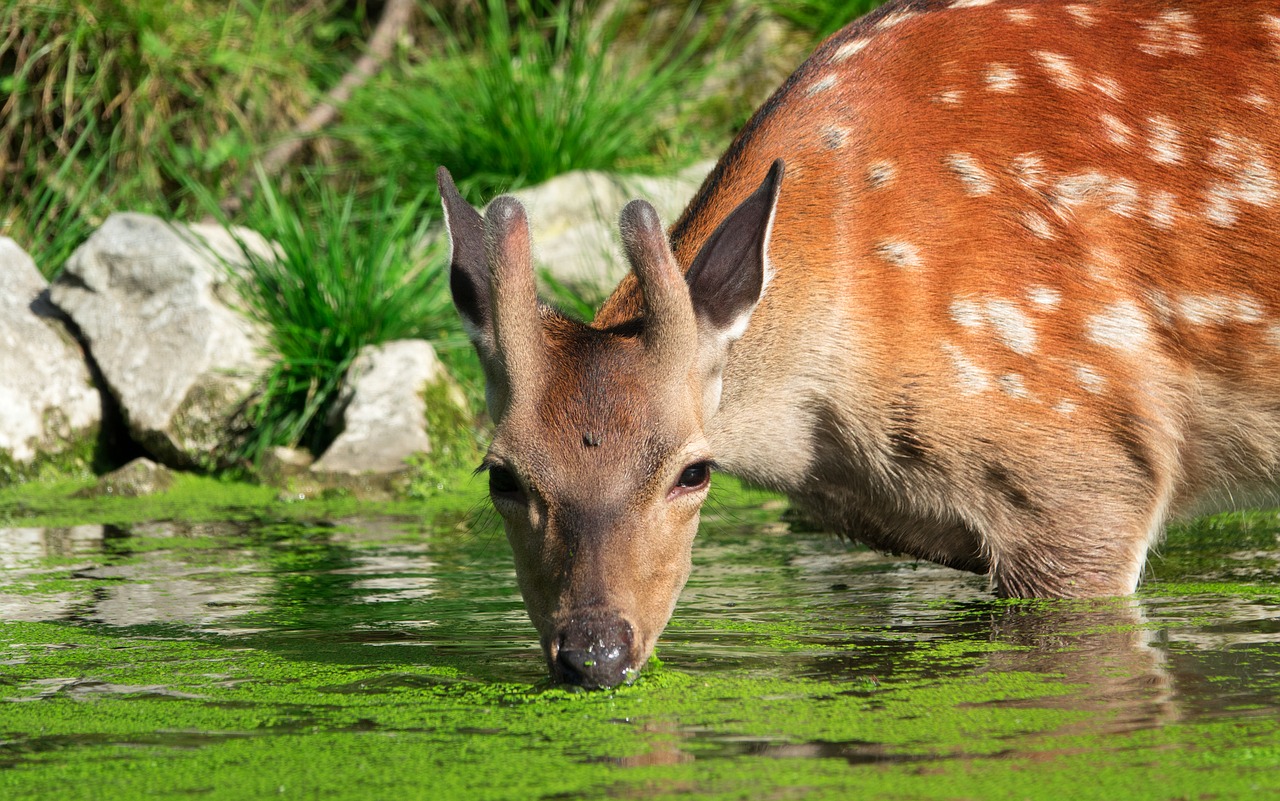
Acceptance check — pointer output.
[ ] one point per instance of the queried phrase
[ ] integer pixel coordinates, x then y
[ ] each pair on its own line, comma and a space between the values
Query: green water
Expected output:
222, 645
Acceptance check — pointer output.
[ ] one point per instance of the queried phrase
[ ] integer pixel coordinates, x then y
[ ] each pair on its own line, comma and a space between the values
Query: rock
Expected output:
50, 410
383, 411
574, 220
280, 464
153, 303
136, 479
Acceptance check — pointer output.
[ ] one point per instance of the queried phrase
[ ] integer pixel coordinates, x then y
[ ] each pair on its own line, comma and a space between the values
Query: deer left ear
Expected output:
729, 274
468, 264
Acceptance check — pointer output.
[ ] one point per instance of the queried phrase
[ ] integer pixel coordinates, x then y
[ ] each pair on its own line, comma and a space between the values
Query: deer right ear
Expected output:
468, 264
728, 276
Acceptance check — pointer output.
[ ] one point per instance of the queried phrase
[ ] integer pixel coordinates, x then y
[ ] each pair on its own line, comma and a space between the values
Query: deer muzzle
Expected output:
593, 648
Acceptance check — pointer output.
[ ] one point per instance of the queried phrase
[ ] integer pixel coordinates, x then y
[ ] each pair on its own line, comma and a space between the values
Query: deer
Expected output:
991, 283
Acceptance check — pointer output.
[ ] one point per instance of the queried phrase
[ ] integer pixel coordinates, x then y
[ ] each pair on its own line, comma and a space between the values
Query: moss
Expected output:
772, 685
233, 719
202, 498
66, 458
455, 447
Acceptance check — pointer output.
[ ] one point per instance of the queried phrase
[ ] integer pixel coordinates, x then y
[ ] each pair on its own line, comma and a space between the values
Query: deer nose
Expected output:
594, 650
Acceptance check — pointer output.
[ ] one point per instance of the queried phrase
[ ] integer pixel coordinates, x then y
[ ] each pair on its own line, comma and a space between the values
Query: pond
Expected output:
371, 652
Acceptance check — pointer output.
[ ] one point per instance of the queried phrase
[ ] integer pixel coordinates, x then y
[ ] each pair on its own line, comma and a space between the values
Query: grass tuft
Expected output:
509, 105
822, 17
350, 271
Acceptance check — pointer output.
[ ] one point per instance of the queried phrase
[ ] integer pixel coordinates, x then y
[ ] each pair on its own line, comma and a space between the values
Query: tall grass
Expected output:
111, 104
508, 105
349, 271
822, 17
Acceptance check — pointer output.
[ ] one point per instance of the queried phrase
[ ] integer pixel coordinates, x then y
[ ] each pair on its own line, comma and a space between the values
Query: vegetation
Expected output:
822, 17
510, 102
105, 105
165, 106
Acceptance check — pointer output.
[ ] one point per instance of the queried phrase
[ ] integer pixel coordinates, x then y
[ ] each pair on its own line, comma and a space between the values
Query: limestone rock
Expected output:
383, 411
137, 478
153, 302
49, 407
574, 220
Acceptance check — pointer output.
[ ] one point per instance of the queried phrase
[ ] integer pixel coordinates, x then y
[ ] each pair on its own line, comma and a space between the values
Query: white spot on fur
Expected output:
1029, 170
1037, 224
835, 136
967, 312
1001, 78
1249, 310
1170, 32
1108, 86
1020, 16
1089, 379
1166, 142
1012, 326
1061, 70
1013, 385
1121, 325
1009, 323
971, 3
896, 18
1065, 407
1257, 99
1045, 297
1079, 188
1245, 161
1220, 206
1082, 14
1220, 309
880, 174
950, 97
972, 378
849, 49
1272, 23
821, 85
975, 179
899, 253
1163, 210
1118, 133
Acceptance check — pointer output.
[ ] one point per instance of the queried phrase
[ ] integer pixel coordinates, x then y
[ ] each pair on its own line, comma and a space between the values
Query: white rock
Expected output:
151, 299
382, 408
574, 220
48, 404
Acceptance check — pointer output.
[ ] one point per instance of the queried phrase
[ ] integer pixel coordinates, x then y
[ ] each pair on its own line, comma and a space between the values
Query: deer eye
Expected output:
503, 482
694, 477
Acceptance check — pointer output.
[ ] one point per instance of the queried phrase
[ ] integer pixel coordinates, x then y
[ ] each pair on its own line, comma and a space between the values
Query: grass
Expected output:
510, 104
109, 105
822, 17
349, 271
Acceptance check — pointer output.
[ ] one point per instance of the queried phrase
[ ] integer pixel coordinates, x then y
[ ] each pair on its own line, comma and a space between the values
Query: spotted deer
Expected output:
992, 283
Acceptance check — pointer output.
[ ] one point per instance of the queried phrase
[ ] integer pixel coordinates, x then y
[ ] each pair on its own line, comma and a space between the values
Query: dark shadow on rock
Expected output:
114, 447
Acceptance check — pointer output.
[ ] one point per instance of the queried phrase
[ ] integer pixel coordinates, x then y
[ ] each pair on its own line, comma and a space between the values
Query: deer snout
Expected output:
593, 649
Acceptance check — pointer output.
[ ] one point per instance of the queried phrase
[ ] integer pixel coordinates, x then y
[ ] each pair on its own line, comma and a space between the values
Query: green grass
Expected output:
507, 105
349, 271
109, 105
822, 17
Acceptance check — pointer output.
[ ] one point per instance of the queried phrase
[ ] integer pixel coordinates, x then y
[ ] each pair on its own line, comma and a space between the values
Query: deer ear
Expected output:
468, 263
729, 274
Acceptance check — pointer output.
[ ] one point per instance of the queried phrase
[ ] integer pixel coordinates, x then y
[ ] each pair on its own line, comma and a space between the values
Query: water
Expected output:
378, 657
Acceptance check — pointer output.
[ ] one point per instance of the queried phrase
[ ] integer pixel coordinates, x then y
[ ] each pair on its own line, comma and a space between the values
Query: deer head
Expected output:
599, 464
